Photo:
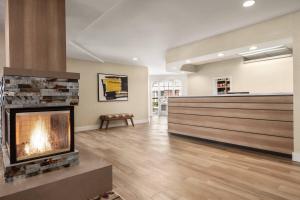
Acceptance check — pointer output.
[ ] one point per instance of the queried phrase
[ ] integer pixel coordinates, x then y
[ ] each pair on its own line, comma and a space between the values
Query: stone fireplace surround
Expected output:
36, 90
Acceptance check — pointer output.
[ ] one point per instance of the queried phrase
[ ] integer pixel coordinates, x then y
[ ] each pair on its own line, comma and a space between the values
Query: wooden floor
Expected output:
150, 164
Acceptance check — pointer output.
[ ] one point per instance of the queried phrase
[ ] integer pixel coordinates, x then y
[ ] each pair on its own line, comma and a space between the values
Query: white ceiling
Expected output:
118, 30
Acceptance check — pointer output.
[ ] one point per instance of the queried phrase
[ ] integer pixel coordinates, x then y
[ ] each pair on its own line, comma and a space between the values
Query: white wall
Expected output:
296, 48
270, 76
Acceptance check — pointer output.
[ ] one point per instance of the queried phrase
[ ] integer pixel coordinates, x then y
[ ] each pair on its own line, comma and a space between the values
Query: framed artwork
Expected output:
112, 87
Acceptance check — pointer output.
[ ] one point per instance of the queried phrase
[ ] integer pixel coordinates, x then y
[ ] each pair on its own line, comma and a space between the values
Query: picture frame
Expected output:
112, 87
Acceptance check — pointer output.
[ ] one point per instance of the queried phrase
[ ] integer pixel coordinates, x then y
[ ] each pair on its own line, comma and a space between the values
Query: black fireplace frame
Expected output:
11, 130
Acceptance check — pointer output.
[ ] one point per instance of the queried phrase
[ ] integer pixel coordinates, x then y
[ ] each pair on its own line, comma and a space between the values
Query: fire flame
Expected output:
39, 139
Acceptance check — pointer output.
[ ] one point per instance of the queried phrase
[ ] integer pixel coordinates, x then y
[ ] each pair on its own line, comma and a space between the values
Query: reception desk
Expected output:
262, 121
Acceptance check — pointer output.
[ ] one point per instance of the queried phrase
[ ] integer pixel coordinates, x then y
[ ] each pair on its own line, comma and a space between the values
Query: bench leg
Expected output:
102, 122
132, 121
126, 122
107, 124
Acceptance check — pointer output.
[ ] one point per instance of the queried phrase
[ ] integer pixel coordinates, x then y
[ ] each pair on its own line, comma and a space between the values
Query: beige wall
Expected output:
259, 77
89, 109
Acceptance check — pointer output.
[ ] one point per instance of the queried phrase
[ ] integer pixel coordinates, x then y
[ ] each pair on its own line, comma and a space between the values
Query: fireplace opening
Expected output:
39, 132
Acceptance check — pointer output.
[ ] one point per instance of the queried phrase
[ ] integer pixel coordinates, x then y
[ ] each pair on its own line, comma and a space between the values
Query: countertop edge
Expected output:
239, 95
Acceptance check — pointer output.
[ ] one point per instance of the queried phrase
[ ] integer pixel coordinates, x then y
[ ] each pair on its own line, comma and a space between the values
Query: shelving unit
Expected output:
222, 85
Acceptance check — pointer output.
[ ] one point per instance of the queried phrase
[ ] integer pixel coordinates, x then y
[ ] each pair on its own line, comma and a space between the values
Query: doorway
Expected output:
161, 90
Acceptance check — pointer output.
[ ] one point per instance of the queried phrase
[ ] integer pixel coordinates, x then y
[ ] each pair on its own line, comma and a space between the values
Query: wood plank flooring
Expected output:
150, 164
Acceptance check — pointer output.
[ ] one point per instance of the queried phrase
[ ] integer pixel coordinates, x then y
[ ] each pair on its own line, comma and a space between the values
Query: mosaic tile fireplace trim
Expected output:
19, 92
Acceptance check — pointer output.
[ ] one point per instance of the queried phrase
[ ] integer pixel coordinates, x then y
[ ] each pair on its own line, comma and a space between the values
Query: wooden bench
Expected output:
115, 117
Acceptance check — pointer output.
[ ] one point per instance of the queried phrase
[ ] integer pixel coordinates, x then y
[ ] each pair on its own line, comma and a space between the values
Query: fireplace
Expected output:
37, 122
39, 132
37, 94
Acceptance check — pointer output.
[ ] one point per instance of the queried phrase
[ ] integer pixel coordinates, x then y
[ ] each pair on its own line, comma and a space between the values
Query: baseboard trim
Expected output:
86, 128
94, 127
296, 157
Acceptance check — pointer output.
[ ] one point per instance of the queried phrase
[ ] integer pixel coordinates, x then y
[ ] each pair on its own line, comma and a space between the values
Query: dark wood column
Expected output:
36, 35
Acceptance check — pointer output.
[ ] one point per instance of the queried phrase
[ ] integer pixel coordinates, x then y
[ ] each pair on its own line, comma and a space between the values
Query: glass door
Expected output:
161, 90
155, 94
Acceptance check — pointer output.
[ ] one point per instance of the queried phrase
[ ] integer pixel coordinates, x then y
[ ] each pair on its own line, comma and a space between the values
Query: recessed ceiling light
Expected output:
188, 61
135, 59
253, 48
221, 54
248, 3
